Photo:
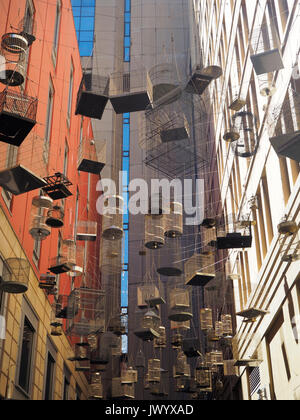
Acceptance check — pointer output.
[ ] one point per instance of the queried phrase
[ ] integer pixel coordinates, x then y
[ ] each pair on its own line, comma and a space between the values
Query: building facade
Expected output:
41, 65
259, 181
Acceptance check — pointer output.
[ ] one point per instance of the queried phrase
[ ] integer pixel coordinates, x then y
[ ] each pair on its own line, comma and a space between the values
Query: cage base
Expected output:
91, 105
131, 102
200, 279
13, 287
14, 128
91, 166
267, 62
19, 180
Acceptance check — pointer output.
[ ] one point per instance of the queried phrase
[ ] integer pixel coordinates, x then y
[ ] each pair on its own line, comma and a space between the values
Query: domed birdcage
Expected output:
206, 319
200, 269
112, 219
154, 231
174, 221
15, 277
39, 229
179, 304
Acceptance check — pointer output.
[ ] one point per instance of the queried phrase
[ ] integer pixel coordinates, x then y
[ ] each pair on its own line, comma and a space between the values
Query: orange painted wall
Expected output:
41, 70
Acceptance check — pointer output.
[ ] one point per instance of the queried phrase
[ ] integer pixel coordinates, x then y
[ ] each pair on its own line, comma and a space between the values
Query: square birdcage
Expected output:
149, 295
102, 350
200, 270
201, 78
148, 323
86, 312
17, 116
87, 158
86, 230
179, 305
122, 391
93, 95
47, 282
235, 236
57, 186
130, 92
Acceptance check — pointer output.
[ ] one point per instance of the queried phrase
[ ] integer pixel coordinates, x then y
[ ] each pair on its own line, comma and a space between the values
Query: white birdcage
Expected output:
130, 92
112, 218
200, 269
39, 228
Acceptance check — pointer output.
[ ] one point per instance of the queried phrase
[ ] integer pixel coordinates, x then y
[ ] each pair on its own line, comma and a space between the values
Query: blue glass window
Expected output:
127, 29
76, 3
127, 5
86, 36
85, 3
127, 54
86, 49
87, 24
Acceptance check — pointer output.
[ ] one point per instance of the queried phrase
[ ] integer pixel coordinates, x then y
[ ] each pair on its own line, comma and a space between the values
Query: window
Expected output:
49, 371
67, 381
28, 26
56, 31
66, 156
49, 113
26, 357
84, 19
70, 94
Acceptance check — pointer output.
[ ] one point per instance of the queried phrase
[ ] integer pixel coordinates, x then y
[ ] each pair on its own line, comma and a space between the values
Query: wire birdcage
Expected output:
112, 218
96, 387
179, 303
201, 78
86, 230
129, 376
93, 95
154, 231
13, 68
130, 91
161, 341
122, 391
87, 158
177, 331
55, 216
165, 82
160, 389
234, 235
200, 269
170, 262
174, 221
111, 256
39, 228
154, 370
150, 294
148, 323
86, 312
15, 277
206, 319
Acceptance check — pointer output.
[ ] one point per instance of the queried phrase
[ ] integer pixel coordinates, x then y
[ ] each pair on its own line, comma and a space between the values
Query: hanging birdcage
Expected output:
81, 352
174, 221
149, 295
14, 43
22, 168
203, 374
130, 92
165, 82
148, 323
96, 387
61, 306
129, 376
102, 349
112, 218
140, 359
117, 324
154, 231
179, 305
39, 229
111, 256
15, 278
122, 391
216, 358
206, 319
177, 330
56, 322
287, 227
213, 335
13, 68
191, 347
201, 78
247, 144
86, 312
161, 341
160, 389
87, 158
200, 270
57, 186
55, 217
17, 116
219, 329
66, 259
179, 369
170, 262
266, 54
230, 369
86, 231
47, 282
234, 236
227, 325
154, 370
93, 95
117, 349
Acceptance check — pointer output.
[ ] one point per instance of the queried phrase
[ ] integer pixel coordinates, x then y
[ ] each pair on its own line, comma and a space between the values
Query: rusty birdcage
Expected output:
130, 91
200, 269
93, 95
